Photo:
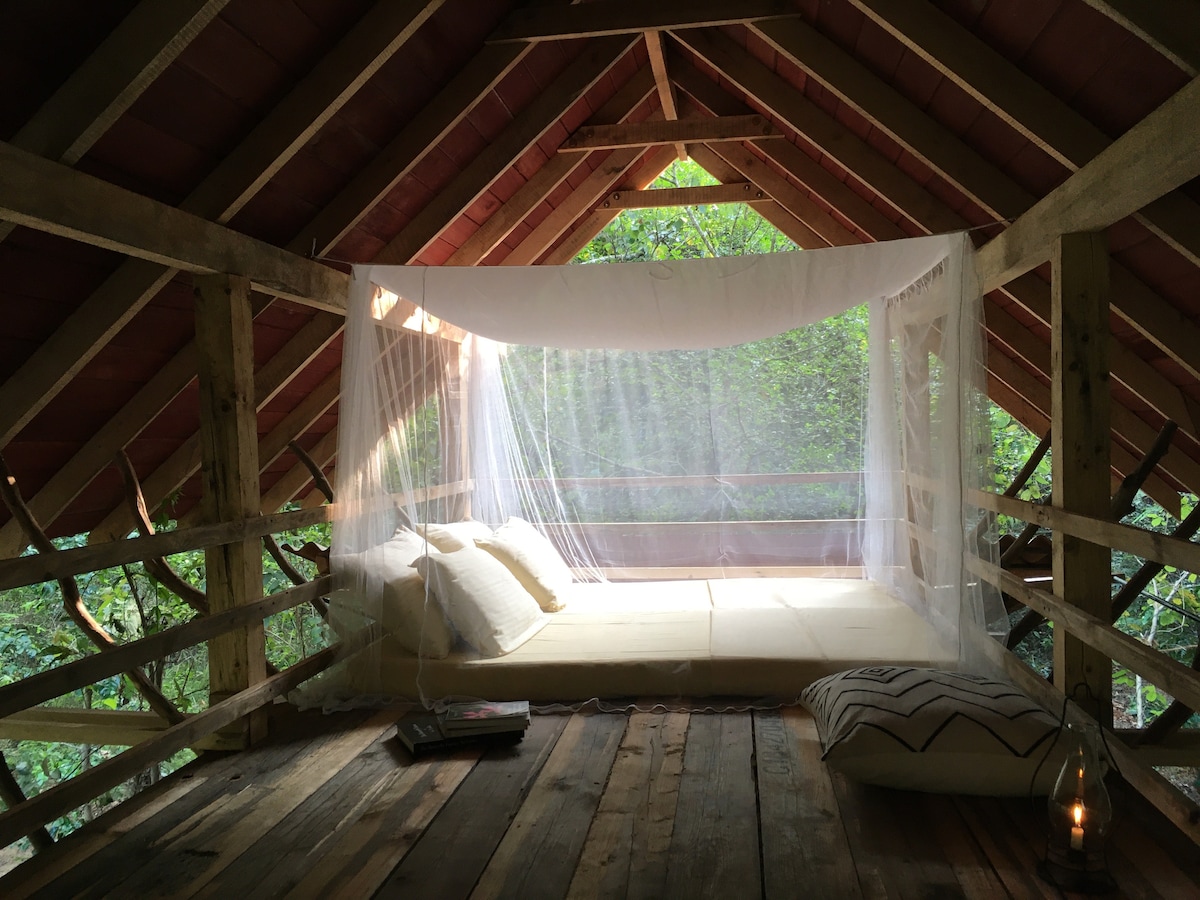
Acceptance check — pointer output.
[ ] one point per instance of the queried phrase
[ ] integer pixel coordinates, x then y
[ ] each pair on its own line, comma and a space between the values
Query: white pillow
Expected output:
420, 627
409, 545
936, 731
531, 557
483, 600
455, 536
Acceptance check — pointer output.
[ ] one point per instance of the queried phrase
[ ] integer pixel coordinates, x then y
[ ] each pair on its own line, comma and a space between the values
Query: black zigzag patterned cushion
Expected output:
931, 730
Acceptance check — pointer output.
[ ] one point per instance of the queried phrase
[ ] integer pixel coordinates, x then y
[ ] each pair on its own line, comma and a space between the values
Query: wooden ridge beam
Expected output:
1172, 27
1157, 155
690, 131
609, 17
1004, 90
740, 192
50, 197
543, 182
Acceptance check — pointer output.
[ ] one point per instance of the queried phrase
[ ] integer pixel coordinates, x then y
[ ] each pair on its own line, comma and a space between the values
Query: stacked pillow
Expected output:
490, 589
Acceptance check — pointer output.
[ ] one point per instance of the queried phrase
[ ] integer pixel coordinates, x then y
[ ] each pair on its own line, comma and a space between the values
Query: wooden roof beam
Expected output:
1157, 155
735, 192
564, 249
525, 129
784, 219
666, 92
884, 179
543, 182
649, 134
274, 141
50, 197
1024, 104
607, 17
1172, 27
945, 153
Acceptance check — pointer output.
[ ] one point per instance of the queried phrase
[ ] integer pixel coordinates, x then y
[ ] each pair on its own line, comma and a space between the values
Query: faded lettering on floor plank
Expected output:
539, 852
448, 857
714, 847
803, 842
625, 854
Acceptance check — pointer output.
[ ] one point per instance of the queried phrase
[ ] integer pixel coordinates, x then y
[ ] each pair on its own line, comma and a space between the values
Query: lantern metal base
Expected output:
1078, 872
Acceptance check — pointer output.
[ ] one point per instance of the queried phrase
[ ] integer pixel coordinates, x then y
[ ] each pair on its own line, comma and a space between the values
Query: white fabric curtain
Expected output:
401, 453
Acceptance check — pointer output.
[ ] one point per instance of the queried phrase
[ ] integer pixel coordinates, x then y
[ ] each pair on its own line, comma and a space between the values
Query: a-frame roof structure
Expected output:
145, 141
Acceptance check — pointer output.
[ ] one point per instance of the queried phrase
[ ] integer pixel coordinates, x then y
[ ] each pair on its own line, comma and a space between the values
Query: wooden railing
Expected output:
28, 816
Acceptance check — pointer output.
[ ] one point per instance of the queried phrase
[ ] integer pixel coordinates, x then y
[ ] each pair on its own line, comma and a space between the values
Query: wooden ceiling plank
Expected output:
794, 161
170, 475
425, 130
1157, 155
96, 94
569, 247
1133, 301
786, 221
556, 169
736, 192
1024, 104
50, 197
690, 131
1172, 27
524, 131
911, 127
293, 122
786, 195
274, 141
608, 17
656, 50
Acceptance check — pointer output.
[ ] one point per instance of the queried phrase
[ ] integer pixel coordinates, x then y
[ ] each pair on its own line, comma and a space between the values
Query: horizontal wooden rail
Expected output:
40, 567
1169, 800
99, 727
1175, 678
659, 481
434, 492
15, 823
45, 686
1146, 544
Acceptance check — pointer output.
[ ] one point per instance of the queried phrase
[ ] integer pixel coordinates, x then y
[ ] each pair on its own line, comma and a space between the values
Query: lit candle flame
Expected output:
1077, 812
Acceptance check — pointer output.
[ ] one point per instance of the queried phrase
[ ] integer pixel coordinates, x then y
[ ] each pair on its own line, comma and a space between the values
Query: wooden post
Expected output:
1080, 425
229, 475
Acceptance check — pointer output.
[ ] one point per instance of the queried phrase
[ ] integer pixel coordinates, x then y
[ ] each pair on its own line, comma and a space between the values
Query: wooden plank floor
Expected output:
646, 805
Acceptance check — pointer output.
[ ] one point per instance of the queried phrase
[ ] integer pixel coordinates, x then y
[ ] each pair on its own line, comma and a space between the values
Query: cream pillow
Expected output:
409, 545
418, 624
483, 600
531, 557
455, 536
935, 731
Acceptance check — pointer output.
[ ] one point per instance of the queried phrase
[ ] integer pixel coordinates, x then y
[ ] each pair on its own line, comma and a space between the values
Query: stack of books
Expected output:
459, 724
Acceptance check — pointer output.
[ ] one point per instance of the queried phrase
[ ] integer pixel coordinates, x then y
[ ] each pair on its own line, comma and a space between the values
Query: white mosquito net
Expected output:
816, 413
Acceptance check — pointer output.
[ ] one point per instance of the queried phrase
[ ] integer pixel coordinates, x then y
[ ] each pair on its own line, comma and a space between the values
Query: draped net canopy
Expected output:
821, 412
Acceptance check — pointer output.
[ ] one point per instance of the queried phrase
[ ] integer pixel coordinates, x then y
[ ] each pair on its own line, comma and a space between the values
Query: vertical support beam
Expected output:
229, 474
1080, 425
455, 418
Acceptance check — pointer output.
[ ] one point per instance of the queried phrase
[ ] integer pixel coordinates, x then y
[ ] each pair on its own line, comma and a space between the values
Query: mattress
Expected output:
745, 637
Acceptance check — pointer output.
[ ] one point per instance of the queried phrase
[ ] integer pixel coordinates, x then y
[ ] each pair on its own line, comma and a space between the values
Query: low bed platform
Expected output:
750, 637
